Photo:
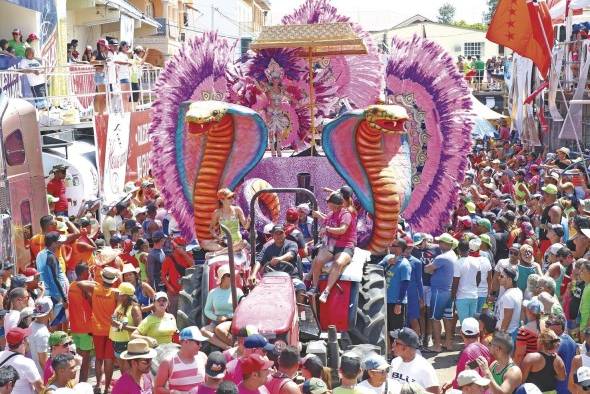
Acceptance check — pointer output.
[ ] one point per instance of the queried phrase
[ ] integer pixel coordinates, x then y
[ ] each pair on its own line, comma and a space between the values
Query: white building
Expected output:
455, 40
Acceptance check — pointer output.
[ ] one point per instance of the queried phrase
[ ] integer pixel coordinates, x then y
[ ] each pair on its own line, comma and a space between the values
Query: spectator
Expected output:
408, 365
585, 300
528, 335
377, 381
8, 378
281, 381
227, 387
508, 305
466, 278
80, 322
65, 369
17, 43
581, 360
505, 376
39, 337
470, 382
29, 379
123, 64
173, 269
4, 48
32, 67
18, 299
350, 369
137, 379
214, 373
256, 370
253, 344
159, 327
415, 288
87, 55
398, 272
567, 348
314, 386
472, 351
582, 379
155, 259
144, 293
545, 367
125, 319
185, 370
313, 368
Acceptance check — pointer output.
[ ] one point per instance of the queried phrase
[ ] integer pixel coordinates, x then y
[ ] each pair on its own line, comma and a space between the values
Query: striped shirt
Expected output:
528, 338
185, 377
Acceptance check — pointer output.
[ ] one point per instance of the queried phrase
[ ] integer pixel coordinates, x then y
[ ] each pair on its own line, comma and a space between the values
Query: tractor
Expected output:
356, 309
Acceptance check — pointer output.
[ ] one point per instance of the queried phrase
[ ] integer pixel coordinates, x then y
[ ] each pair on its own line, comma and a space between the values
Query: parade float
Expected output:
314, 105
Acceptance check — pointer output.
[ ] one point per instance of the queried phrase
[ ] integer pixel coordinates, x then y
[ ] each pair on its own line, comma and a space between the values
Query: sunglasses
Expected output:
67, 344
145, 360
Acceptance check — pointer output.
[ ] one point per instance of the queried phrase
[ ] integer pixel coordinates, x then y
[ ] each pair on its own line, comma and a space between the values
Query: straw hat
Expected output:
138, 348
106, 255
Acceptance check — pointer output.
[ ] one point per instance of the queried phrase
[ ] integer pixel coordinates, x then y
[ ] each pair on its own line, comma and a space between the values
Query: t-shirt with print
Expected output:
34, 79
27, 372
466, 270
337, 219
442, 277
418, 370
393, 387
38, 342
426, 256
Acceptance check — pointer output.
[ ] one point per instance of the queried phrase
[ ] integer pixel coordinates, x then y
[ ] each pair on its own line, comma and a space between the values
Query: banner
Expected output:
140, 146
116, 149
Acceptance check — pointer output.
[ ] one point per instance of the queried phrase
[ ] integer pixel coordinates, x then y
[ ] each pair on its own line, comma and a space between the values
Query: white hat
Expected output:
470, 326
221, 272
470, 376
139, 210
127, 268
268, 228
475, 244
553, 249
161, 294
583, 377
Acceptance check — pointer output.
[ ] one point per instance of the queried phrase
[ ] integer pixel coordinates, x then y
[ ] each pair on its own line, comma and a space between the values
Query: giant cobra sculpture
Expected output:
405, 159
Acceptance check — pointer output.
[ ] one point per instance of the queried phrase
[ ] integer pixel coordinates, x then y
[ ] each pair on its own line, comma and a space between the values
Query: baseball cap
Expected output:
314, 386
18, 281
268, 228
292, 214
215, 367
471, 376
470, 206
278, 228
16, 31
550, 189
485, 239
407, 336
470, 326
161, 294
350, 364
59, 338
312, 363
102, 41
16, 336
485, 223
528, 388
582, 377
375, 362
474, 244
418, 238
255, 363
255, 341
53, 236
448, 239
127, 288
510, 272
158, 235
192, 333
43, 306
464, 220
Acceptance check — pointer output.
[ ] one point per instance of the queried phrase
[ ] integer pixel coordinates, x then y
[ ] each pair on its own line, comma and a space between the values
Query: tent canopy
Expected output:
484, 112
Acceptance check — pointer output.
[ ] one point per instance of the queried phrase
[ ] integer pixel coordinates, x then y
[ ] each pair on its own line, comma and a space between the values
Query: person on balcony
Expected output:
32, 67
99, 59
123, 64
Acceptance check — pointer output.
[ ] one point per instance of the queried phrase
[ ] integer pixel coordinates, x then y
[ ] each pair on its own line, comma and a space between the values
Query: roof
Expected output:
130, 10
410, 21
419, 19
322, 39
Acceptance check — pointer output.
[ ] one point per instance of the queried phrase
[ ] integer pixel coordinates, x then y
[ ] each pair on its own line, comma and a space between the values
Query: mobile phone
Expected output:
472, 364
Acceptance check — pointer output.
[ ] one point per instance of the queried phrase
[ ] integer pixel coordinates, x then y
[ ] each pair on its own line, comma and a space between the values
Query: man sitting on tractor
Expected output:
279, 254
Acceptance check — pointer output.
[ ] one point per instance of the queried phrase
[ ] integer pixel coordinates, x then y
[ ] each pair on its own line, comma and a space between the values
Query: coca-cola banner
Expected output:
123, 150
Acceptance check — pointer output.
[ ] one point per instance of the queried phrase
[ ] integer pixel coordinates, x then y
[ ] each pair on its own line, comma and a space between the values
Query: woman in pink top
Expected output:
339, 232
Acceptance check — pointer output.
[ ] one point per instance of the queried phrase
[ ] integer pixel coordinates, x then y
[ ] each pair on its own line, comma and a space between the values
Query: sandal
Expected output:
324, 297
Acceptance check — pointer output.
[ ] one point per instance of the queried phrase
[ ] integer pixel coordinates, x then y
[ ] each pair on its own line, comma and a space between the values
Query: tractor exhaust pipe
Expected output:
232, 266
333, 349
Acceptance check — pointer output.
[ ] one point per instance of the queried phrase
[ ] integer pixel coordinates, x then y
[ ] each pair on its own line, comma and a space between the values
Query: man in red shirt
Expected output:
173, 269
57, 188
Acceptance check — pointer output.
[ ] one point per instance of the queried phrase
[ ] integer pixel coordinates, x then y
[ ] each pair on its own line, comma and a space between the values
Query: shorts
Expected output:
119, 347
124, 80
395, 322
441, 304
413, 307
83, 341
466, 307
427, 296
99, 78
339, 249
103, 347
480, 303
298, 285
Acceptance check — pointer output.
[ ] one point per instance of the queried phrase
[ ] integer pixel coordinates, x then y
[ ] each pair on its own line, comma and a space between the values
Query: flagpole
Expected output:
567, 107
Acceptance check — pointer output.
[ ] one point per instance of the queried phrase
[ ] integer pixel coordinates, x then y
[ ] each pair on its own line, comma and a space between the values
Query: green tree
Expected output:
487, 16
474, 26
446, 13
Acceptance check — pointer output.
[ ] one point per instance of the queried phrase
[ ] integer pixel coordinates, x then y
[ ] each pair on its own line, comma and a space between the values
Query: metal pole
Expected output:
232, 267
311, 101
309, 194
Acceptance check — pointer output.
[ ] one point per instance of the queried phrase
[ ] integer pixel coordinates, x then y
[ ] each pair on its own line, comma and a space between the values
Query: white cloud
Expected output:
381, 14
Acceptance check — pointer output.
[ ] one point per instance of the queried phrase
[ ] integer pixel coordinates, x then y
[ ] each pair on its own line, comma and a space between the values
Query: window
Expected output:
149, 8
15, 148
473, 48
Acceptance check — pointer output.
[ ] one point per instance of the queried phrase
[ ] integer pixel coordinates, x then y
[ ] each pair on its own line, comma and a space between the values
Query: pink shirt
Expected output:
337, 219
233, 371
47, 371
471, 353
127, 385
244, 390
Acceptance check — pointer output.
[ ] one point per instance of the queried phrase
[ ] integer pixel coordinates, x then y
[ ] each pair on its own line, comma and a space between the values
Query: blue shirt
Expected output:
567, 351
442, 277
415, 288
426, 256
51, 275
395, 274
155, 259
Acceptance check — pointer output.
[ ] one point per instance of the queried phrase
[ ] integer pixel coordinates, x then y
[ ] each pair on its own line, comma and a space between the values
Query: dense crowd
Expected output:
476, 70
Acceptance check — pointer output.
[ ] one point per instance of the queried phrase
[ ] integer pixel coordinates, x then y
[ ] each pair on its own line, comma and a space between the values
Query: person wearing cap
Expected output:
219, 310
281, 381
512, 260
144, 293
377, 381
521, 191
504, 375
137, 379
151, 225
349, 372
8, 378
123, 65
280, 254
292, 231
159, 326
551, 214
255, 372
508, 306
470, 382
17, 43
57, 188
98, 60
53, 277
567, 350
544, 367
483, 226
214, 373
442, 270
473, 348
581, 360
185, 370
39, 338
231, 216
59, 343
305, 221
83, 250
582, 380
583, 265
466, 278
254, 344
14, 355
528, 334
313, 367
562, 263
174, 268
109, 225
314, 386
415, 287
398, 272
155, 259
339, 228
125, 319
137, 63
408, 365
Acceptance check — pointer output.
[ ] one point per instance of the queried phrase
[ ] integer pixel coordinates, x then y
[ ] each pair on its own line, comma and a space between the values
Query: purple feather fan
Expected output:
441, 93
197, 71
358, 79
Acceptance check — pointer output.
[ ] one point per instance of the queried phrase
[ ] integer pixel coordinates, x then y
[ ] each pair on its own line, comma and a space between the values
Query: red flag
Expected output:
525, 27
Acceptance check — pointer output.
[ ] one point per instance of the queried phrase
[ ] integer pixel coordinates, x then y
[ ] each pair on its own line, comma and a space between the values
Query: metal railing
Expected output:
72, 91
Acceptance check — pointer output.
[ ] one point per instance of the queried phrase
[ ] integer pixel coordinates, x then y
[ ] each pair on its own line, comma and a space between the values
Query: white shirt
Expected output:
11, 320
466, 269
108, 225
511, 299
418, 370
393, 387
123, 71
38, 342
27, 372
33, 79
111, 69
485, 267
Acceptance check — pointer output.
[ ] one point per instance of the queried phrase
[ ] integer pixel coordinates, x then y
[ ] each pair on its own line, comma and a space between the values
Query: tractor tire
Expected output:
371, 311
190, 300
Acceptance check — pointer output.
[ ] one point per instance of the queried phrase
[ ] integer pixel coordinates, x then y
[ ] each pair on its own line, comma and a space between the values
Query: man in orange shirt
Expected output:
82, 250
80, 321
173, 269
48, 224
104, 302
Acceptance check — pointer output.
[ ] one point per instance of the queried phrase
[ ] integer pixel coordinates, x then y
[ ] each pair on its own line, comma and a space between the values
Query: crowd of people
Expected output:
476, 70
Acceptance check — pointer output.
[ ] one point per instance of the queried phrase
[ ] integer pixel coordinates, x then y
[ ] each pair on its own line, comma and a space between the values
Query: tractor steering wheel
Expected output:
283, 266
